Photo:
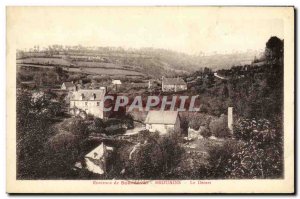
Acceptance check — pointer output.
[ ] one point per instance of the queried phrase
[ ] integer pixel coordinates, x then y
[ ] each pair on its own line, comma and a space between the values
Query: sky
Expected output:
191, 30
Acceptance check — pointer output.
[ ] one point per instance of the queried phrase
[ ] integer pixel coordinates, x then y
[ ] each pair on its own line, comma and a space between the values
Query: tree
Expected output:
97, 126
155, 156
274, 49
218, 127
34, 118
225, 91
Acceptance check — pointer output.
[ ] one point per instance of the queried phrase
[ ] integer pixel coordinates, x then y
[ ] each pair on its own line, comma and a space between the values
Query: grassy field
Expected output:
39, 60
86, 67
108, 71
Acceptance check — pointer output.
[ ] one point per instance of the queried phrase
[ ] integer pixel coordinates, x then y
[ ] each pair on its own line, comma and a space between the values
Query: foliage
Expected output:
96, 126
274, 49
257, 154
263, 145
206, 133
155, 156
218, 127
34, 117
220, 160
76, 126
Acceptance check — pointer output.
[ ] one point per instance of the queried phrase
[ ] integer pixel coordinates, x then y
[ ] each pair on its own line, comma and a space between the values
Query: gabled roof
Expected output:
161, 117
173, 81
68, 84
97, 153
88, 94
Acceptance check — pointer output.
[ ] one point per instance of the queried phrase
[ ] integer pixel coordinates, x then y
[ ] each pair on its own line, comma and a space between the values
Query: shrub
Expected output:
76, 126
260, 131
96, 126
219, 127
263, 145
257, 153
221, 160
205, 133
155, 156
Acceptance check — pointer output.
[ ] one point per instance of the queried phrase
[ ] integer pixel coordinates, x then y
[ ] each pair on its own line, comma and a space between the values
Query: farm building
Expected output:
163, 121
173, 84
89, 101
68, 86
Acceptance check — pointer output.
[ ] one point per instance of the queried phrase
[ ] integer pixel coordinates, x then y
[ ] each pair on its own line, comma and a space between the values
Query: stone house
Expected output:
173, 84
89, 101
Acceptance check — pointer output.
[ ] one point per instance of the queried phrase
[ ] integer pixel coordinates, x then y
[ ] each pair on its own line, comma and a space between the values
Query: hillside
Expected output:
132, 62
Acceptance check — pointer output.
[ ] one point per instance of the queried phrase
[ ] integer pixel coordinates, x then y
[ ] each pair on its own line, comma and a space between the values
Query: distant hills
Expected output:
135, 62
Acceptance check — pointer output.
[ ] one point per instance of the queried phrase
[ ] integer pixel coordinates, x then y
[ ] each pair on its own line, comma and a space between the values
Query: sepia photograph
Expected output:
150, 99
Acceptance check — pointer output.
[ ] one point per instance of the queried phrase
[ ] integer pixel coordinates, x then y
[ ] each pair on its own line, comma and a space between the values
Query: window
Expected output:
98, 103
86, 103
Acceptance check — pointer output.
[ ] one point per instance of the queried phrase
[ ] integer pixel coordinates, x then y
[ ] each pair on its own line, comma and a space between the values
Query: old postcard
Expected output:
150, 99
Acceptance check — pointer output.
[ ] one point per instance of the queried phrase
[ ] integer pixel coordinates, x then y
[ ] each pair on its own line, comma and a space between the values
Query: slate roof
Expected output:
173, 81
161, 117
88, 94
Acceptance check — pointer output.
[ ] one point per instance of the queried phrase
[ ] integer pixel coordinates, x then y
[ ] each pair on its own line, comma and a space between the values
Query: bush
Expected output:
96, 126
262, 155
260, 131
76, 126
219, 127
221, 160
205, 133
155, 156
195, 120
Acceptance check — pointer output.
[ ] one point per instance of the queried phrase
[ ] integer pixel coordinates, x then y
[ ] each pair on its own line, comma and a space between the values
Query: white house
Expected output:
89, 101
173, 84
163, 121
96, 159
116, 82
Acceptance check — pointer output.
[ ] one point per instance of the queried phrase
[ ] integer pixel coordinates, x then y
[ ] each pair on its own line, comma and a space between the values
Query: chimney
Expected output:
230, 119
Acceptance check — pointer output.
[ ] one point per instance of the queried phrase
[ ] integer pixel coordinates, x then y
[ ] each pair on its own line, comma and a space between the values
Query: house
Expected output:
152, 83
163, 121
96, 160
173, 84
68, 86
116, 82
89, 101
